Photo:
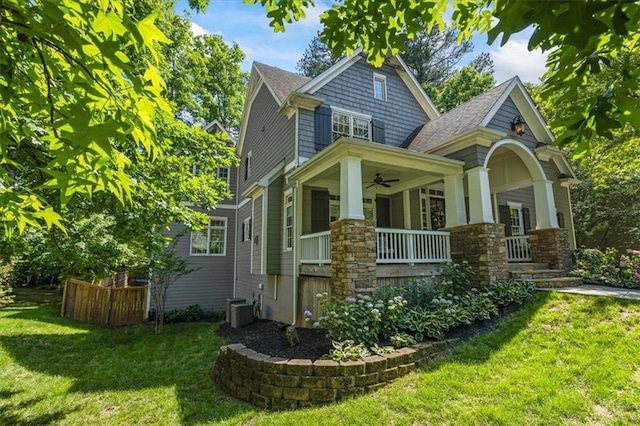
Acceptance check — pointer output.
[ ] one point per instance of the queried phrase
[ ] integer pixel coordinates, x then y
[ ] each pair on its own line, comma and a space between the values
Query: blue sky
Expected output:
248, 26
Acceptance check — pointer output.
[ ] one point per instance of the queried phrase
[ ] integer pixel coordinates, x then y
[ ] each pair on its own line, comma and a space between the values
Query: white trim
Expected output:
514, 205
208, 230
406, 209
383, 79
292, 165
255, 84
296, 146
247, 225
329, 74
352, 116
524, 153
253, 209
263, 231
244, 202
527, 109
285, 203
351, 205
480, 210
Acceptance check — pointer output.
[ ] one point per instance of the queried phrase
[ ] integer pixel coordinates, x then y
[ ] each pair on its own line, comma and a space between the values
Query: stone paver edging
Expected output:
599, 290
280, 383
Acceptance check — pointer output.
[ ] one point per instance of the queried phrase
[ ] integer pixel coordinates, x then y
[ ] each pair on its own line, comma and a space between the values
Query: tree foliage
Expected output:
316, 58
583, 38
461, 87
606, 204
72, 102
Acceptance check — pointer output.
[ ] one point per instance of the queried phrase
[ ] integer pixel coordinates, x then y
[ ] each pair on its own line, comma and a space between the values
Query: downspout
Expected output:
235, 244
295, 222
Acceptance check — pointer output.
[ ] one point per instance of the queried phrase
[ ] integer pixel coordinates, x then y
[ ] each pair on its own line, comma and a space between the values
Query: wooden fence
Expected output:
88, 302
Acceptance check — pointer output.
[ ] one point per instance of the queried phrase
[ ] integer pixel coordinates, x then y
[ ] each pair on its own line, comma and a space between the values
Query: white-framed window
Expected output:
288, 221
345, 123
432, 206
222, 173
380, 87
246, 230
517, 219
211, 241
247, 166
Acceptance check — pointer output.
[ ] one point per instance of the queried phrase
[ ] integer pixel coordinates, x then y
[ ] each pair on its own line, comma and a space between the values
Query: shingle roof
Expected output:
460, 119
280, 81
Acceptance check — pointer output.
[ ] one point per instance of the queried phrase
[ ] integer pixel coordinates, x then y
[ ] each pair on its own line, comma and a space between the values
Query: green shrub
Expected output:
347, 351
454, 278
417, 292
596, 267
507, 292
191, 313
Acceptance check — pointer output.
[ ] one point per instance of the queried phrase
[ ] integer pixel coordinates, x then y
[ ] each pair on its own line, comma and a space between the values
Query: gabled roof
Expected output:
216, 126
460, 119
280, 82
477, 113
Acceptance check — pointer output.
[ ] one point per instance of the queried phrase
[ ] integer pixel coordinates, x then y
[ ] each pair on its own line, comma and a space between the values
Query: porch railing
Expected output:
518, 249
411, 246
316, 248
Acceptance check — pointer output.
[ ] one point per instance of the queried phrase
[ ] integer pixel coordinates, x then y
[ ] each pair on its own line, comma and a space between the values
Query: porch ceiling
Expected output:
411, 168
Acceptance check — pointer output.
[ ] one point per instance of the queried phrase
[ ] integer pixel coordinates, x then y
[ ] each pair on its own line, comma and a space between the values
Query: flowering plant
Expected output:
597, 267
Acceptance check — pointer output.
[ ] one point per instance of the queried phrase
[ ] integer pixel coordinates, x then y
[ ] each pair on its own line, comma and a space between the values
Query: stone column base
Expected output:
551, 246
482, 246
353, 256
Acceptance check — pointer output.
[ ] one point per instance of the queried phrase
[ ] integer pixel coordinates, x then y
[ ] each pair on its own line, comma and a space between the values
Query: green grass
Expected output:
563, 359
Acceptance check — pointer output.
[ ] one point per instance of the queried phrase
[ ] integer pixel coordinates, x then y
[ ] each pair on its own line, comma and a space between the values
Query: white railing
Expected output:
316, 248
411, 246
518, 249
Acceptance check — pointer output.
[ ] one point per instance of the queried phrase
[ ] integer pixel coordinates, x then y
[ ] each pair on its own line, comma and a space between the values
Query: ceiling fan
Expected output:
378, 180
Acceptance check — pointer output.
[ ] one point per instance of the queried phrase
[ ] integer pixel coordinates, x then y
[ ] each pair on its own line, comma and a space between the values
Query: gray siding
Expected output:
473, 156
306, 133
524, 196
353, 90
397, 210
257, 234
270, 137
502, 122
274, 231
233, 185
212, 283
247, 285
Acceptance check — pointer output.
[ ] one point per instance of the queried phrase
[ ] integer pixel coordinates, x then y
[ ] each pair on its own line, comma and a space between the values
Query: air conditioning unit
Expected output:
241, 314
230, 302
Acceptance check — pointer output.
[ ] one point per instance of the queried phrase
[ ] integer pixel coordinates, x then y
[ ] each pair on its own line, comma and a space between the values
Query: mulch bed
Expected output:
269, 337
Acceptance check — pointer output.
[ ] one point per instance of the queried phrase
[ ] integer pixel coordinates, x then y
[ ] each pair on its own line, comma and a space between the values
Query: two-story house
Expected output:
353, 179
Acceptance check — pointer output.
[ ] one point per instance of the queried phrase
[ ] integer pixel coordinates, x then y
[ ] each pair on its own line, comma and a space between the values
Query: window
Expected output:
380, 87
351, 125
433, 213
288, 221
247, 166
517, 221
195, 170
211, 241
246, 230
223, 173
334, 208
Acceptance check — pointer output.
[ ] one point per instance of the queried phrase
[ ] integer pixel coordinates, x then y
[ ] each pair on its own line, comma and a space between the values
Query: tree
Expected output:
606, 203
463, 86
583, 38
71, 101
316, 58
166, 267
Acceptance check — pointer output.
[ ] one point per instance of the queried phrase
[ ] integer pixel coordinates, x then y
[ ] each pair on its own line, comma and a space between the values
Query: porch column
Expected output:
351, 188
545, 205
479, 196
454, 200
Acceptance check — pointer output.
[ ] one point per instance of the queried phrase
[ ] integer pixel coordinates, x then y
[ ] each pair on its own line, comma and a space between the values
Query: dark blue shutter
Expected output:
377, 131
323, 127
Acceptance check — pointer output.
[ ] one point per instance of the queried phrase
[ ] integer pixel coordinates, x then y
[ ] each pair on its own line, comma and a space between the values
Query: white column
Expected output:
351, 188
406, 209
456, 214
479, 196
545, 205
572, 234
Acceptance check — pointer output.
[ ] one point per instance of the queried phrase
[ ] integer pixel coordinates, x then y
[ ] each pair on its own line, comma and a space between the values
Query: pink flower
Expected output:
623, 263
638, 275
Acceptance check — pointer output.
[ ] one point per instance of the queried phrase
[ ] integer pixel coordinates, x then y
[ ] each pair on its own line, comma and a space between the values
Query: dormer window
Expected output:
380, 87
349, 124
247, 166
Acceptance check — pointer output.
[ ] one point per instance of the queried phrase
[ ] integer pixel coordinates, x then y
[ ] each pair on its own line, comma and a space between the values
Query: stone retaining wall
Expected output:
280, 383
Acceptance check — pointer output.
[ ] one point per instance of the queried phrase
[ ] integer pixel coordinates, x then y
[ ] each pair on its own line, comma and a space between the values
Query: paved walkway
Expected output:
598, 290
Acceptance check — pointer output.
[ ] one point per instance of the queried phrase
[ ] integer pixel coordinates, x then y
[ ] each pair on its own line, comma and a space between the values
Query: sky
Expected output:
248, 26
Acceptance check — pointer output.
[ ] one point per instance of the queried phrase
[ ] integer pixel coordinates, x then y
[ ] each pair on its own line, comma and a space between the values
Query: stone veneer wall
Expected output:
280, 383
551, 246
353, 256
482, 245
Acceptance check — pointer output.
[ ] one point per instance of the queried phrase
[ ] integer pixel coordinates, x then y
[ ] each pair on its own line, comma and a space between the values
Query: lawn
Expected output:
563, 359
